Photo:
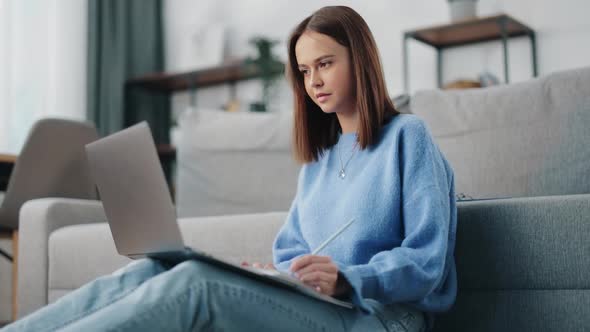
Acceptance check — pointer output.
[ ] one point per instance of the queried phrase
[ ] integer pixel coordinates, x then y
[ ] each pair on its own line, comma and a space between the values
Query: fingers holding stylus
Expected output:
318, 272
310, 263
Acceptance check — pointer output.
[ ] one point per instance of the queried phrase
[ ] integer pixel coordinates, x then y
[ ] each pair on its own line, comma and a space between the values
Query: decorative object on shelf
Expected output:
462, 9
270, 70
484, 80
488, 79
232, 105
462, 84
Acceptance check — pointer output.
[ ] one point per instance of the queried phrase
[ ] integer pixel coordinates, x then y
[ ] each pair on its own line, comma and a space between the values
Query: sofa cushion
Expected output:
233, 163
524, 139
215, 130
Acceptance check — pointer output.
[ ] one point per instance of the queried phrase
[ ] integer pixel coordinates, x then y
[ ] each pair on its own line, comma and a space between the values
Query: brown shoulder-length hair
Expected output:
314, 131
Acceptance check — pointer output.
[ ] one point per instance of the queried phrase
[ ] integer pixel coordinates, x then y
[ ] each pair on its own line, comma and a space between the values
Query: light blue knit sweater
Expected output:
401, 192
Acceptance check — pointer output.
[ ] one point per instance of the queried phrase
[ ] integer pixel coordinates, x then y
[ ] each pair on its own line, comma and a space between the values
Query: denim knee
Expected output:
194, 269
144, 264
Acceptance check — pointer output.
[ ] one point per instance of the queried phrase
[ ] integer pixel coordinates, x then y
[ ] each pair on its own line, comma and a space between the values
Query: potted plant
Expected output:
270, 69
462, 9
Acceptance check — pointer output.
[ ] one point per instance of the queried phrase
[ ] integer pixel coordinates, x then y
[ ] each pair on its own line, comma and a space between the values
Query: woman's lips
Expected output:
322, 97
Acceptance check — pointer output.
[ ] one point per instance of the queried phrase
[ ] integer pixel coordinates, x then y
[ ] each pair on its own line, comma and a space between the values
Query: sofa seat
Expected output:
90, 248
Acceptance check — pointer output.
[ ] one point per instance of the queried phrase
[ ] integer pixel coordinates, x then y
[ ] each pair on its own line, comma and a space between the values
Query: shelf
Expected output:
470, 31
7, 158
168, 82
166, 152
498, 27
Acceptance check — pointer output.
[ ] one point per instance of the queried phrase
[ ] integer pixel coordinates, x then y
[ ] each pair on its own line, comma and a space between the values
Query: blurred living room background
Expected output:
44, 48
207, 58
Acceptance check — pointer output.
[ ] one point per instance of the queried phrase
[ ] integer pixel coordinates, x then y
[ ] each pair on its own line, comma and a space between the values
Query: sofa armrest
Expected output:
38, 219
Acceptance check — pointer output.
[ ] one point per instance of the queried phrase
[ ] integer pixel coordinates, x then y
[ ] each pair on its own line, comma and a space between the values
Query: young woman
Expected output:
362, 160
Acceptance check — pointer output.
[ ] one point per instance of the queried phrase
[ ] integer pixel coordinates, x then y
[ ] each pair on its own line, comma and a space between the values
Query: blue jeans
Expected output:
147, 295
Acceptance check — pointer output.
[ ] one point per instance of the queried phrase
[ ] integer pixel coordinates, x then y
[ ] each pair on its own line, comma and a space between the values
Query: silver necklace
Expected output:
342, 173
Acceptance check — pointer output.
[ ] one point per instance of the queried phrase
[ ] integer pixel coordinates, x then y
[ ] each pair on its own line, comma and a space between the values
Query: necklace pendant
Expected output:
342, 174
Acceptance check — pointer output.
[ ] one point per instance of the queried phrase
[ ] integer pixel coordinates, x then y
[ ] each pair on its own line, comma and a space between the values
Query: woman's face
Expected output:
326, 70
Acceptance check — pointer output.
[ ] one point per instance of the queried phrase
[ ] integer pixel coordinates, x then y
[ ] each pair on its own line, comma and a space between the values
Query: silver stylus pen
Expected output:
331, 238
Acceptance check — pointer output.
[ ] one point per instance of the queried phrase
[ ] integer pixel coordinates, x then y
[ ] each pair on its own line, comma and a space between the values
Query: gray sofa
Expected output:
522, 263
522, 244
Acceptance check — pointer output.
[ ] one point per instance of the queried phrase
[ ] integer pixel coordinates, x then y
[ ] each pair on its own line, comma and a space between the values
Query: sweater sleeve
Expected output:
289, 242
415, 269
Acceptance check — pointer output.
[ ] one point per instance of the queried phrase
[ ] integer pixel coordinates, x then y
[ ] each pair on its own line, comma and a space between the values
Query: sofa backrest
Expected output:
231, 163
522, 265
524, 139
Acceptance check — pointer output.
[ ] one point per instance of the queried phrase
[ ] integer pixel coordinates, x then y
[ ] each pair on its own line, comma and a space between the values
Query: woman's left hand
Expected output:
320, 273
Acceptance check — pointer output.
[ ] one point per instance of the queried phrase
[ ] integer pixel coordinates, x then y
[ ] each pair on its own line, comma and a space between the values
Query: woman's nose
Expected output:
315, 80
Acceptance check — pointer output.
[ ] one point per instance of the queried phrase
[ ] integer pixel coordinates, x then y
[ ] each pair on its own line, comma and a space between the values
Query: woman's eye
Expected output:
304, 72
324, 64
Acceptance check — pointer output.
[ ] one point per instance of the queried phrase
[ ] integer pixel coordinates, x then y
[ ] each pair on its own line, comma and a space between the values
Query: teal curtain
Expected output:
125, 40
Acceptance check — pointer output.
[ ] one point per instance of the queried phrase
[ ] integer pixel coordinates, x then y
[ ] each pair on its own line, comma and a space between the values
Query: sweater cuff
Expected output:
355, 294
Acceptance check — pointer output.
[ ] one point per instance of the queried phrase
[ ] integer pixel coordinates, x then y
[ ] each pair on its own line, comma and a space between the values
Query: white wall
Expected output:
4, 58
562, 29
42, 65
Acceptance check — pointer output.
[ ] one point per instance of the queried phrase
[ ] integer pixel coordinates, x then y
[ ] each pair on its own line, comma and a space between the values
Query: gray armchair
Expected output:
52, 163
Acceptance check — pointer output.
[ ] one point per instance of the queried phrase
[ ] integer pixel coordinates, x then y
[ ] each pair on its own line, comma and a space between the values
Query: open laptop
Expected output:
140, 212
